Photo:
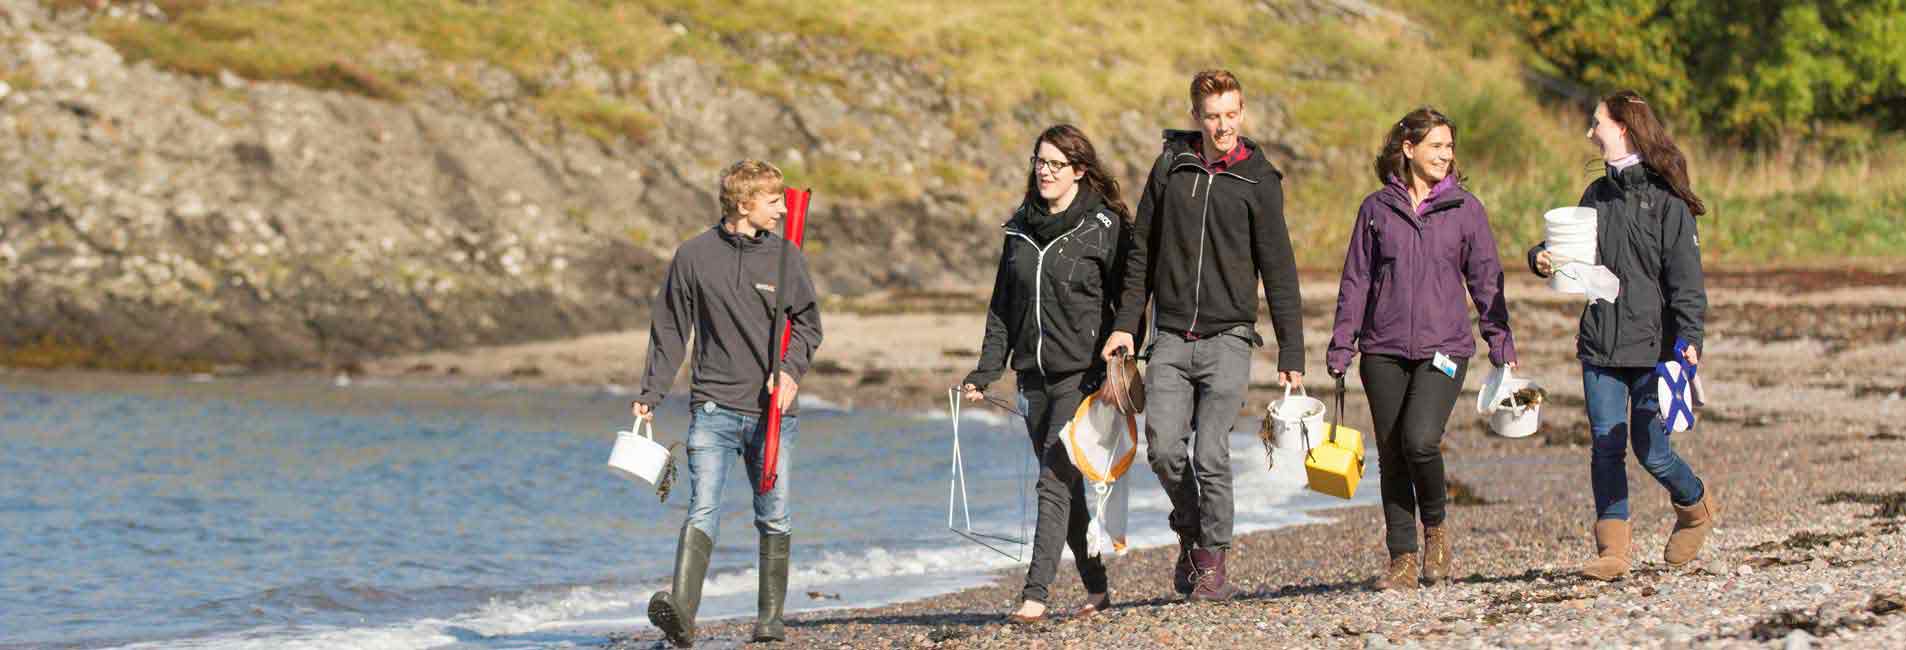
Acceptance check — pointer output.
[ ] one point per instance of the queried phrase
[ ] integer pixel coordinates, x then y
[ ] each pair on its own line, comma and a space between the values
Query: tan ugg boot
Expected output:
1691, 525
1613, 542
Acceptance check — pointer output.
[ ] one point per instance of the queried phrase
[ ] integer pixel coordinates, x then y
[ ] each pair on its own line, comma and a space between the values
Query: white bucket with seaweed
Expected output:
1513, 404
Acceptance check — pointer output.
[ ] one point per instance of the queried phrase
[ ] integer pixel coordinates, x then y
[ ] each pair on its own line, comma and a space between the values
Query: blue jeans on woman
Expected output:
1622, 410
717, 437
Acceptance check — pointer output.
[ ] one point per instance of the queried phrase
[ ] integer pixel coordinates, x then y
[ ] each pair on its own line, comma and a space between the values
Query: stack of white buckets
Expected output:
1571, 235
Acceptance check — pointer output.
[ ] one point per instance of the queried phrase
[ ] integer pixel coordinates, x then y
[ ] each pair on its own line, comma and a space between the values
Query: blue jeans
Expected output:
716, 437
1621, 401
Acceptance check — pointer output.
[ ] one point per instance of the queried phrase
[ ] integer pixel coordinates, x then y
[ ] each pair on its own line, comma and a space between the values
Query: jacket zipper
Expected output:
1038, 284
1204, 214
1197, 284
1609, 351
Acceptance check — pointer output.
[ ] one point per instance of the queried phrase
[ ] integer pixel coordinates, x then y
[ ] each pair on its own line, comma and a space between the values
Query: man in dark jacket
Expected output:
1209, 227
721, 287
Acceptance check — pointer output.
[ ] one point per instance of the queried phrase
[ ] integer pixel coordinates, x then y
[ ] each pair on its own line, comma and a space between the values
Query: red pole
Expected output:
771, 446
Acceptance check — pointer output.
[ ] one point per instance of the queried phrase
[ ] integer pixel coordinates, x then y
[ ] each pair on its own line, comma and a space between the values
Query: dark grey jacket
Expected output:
720, 287
1646, 236
1052, 305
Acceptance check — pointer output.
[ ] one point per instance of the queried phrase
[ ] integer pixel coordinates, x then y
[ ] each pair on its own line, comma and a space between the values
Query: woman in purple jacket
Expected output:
1419, 245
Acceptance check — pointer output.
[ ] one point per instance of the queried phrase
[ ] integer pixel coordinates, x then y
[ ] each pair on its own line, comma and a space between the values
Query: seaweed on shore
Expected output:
1805, 540
1461, 494
1892, 505
1783, 623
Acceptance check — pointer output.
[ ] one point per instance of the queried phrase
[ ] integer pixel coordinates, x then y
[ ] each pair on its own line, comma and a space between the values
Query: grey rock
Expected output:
332, 176
1797, 640
1675, 633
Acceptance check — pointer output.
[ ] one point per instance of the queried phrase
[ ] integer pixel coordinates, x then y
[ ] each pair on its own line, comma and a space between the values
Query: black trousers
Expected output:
1051, 402
1410, 401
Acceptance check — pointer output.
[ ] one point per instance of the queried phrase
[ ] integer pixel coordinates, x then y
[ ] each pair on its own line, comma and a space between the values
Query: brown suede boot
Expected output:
1436, 556
1401, 574
1691, 525
1613, 539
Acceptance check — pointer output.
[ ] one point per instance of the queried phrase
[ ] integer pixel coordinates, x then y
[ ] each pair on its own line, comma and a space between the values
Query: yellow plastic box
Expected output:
1336, 464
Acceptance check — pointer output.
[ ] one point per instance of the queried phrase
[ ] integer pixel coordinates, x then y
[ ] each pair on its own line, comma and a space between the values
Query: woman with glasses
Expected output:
1052, 307
1645, 234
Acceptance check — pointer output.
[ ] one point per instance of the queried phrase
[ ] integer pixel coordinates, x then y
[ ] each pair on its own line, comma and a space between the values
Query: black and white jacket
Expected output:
1053, 304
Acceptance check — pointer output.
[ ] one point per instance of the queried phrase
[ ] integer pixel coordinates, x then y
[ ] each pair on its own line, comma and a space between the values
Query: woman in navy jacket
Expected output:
1645, 235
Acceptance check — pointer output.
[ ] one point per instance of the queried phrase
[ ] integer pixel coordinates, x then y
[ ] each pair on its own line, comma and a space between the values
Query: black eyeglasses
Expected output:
1054, 166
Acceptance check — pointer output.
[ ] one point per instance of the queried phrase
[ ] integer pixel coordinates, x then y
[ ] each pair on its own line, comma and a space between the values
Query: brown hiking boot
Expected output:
1691, 525
1207, 576
1181, 571
1613, 539
1401, 574
1436, 554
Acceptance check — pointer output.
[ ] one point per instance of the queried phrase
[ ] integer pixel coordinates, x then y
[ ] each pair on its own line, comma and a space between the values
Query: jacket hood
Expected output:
1255, 166
1086, 203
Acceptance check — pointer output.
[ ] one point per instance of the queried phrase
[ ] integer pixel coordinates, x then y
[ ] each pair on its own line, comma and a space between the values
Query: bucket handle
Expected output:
644, 427
1300, 391
1336, 418
1270, 410
1495, 401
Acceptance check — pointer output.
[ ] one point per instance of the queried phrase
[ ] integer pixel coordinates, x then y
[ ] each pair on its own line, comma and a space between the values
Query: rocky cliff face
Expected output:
157, 216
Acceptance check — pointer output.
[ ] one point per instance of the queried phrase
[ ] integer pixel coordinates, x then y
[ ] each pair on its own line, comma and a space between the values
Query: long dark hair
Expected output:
1412, 129
1650, 139
1078, 151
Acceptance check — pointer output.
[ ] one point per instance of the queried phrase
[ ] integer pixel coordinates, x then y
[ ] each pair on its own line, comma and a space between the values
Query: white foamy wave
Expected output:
584, 616
811, 403
982, 416
503, 623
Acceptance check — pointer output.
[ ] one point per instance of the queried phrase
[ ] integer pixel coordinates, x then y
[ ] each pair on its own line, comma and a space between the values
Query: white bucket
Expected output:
1292, 413
637, 455
1571, 236
1518, 421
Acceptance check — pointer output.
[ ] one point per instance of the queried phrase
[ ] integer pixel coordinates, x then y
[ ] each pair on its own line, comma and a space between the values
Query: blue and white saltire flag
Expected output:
1674, 388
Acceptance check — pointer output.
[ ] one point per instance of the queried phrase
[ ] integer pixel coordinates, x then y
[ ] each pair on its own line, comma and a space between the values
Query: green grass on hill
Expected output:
1340, 83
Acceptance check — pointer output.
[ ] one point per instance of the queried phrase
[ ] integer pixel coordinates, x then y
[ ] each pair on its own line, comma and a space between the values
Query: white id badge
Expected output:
1443, 363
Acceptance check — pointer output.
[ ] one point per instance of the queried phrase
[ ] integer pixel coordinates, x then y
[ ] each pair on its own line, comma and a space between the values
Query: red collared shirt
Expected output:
1236, 155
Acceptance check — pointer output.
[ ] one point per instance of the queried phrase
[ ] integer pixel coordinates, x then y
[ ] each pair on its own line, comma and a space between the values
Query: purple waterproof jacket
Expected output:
1405, 275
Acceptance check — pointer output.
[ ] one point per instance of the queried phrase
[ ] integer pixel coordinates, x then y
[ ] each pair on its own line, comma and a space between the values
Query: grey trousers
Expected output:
1051, 402
1196, 387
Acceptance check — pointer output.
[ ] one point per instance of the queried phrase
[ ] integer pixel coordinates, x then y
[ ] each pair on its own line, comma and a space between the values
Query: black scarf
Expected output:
1045, 226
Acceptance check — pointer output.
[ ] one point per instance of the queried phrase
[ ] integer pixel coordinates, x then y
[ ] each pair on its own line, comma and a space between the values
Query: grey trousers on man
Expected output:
1196, 384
